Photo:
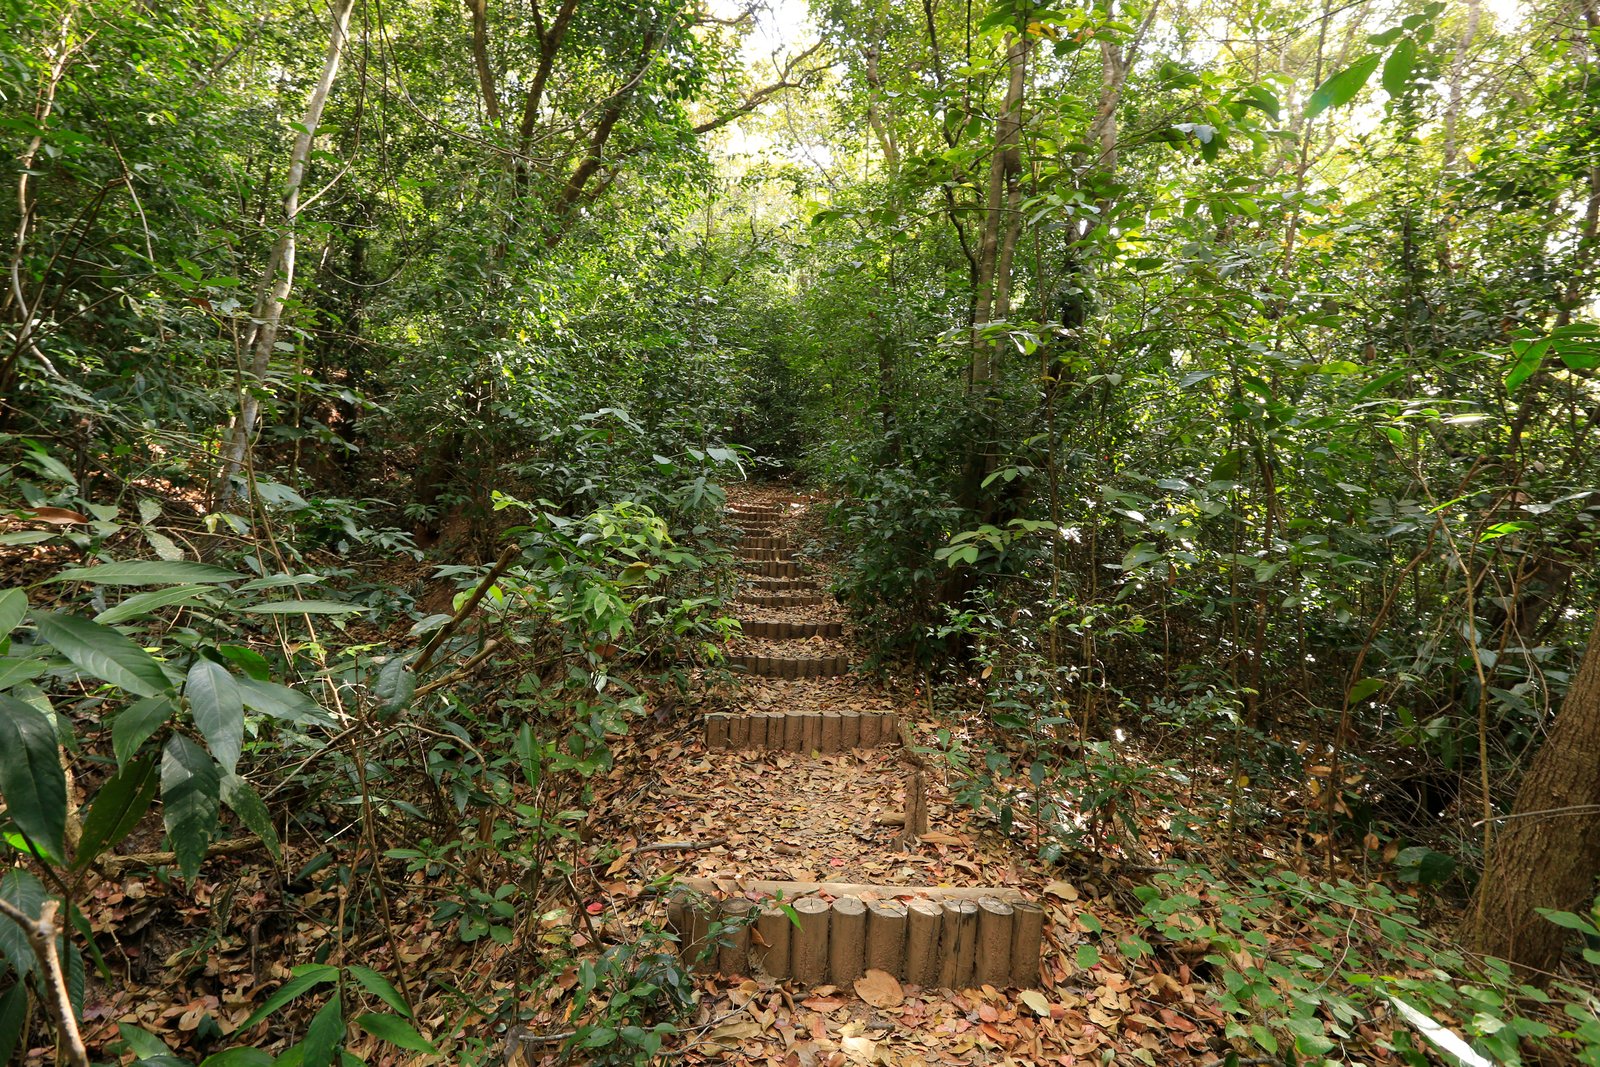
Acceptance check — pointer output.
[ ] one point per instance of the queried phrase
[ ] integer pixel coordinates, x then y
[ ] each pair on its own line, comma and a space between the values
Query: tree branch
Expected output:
41, 934
786, 80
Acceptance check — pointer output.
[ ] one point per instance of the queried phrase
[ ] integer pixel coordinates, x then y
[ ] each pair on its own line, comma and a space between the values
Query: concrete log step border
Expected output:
772, 568
777, 585
784, 629
764, 542
791, 666
932, 939
758, 555
782, 600
745, 510
804, 732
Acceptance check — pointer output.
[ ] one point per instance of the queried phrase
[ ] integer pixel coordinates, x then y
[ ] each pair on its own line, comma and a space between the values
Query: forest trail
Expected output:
954, 947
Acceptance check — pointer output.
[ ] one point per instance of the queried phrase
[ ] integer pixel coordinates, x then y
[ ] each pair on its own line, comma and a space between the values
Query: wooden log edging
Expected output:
792, 667
764, 555
781, 600
779, 585
802, 731
957, 938
771, 568
784, 629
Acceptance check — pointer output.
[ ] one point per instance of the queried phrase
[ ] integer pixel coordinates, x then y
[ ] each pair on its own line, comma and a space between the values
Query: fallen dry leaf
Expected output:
880, 989
1036, 1002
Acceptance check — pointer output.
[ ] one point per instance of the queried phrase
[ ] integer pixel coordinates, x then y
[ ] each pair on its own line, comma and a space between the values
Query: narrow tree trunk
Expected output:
479, 10
1546, 854
278, 279
1007, 136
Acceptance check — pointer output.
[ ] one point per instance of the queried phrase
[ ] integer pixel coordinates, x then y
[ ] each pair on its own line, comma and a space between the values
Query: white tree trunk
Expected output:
278, 279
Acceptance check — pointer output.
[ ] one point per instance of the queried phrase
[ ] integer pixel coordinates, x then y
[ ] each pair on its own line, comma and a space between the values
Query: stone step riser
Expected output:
787, 667
788, 629
827, 732
949, 944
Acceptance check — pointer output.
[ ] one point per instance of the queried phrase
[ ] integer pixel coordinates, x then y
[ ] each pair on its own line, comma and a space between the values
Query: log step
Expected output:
778, 541
777, 585
791, 667
802, 731
772, 568
784, 629
926, 937
757, 555
782, 600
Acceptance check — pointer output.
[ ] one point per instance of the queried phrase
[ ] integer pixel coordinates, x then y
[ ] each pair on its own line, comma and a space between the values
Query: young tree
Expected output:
277, 281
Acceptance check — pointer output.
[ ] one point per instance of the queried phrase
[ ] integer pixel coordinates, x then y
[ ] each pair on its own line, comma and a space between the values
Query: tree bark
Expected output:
479, 10
1547, 852
278, 279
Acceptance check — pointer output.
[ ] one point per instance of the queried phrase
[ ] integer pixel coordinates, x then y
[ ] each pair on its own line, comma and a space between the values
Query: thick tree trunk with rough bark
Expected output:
1546, 854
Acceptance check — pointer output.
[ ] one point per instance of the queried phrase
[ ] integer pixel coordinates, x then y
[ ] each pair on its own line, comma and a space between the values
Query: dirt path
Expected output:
752, 809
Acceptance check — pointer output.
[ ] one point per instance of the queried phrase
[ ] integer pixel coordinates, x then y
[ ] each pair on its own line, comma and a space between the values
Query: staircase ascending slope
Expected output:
817, 933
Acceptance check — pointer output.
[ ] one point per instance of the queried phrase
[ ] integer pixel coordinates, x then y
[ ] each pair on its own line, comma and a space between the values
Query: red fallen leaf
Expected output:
995, 1034
823, 1003
988, 1013
55, 516
594, 907
1175, 1021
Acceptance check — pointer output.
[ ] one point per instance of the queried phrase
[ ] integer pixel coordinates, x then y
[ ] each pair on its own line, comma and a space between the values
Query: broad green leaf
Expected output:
141, 1042
27, 894
396, 1031
117, 809
304, 607
396, 683
1568, 920
282, 702
1397, 68
238, 1057
248, 660
15, 671
1088, 956
218, 710
143, 603
1530, 356
1365, 688
1140, 554
101, 652
306, 976
13, 606
325, 1034
150, 572
1342, 87
13, 1015
135, 724
31, 779
190, 796
245, 802
380, 987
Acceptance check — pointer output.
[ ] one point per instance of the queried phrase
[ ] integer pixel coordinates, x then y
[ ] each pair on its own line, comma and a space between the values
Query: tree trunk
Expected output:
1546, 854
278, 279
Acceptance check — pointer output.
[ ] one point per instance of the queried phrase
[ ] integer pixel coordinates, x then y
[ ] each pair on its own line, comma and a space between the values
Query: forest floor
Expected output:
682, 810
192, 963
